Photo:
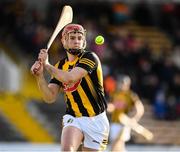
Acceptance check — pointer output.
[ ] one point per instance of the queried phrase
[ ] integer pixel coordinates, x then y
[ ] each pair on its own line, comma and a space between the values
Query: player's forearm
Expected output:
47, 94
140, 110
60, 75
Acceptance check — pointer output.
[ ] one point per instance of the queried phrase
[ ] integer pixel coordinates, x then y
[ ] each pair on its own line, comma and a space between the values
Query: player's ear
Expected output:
63, 40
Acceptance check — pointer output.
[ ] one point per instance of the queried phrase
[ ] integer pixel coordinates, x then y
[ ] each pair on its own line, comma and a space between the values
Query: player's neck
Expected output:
71, 57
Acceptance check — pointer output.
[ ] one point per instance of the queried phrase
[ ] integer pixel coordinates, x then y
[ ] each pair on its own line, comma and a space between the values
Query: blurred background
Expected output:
142, 39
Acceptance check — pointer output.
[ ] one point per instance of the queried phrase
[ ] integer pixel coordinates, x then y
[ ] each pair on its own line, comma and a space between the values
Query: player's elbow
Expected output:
141, 107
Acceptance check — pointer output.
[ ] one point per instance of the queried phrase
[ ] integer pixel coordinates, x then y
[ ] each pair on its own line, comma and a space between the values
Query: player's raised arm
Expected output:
49, 92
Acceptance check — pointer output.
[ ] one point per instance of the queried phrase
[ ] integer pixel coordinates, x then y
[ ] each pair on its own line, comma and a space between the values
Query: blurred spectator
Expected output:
160, 106
167, 17
171, 107
109, 85
120, 13
175, 54
178, 108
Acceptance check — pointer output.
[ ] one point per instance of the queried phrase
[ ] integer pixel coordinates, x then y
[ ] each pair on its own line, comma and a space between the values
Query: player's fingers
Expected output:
34, 71
43, 51
37, 64
36, 67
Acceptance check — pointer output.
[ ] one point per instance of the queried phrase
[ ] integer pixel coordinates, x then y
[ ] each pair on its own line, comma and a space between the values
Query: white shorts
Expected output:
115, 130
95, 129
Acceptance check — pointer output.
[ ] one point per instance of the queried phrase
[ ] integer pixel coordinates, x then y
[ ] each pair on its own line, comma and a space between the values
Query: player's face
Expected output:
75, 40
124, 86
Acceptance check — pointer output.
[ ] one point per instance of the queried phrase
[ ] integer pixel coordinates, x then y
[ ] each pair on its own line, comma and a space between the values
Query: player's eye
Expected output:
72, 37
79, 38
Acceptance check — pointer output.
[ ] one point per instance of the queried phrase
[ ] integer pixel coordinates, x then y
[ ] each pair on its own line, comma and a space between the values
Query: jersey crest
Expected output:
71, 87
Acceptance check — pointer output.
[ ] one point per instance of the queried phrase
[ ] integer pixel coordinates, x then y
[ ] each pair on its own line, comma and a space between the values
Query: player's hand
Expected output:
43, 56
37, 68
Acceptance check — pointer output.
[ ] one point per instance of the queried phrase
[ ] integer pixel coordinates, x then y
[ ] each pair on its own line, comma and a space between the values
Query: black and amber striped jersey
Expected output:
124, 102
85, 97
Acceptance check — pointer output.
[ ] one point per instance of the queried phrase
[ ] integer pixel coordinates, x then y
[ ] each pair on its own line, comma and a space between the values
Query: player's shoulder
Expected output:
61, 62
89, 54
134, 94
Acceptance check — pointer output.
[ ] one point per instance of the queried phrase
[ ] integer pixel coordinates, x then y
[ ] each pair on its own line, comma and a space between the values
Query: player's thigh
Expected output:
71, 138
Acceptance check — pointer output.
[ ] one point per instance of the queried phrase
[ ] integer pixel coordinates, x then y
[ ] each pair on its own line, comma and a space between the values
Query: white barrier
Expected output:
29, 147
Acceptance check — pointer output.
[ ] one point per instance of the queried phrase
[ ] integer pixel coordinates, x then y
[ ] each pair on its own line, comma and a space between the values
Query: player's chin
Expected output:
77, 47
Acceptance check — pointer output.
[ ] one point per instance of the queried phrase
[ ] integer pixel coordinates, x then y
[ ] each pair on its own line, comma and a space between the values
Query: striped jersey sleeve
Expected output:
88, 61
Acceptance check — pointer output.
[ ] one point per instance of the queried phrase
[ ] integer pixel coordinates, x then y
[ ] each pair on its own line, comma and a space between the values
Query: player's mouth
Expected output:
76, 47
